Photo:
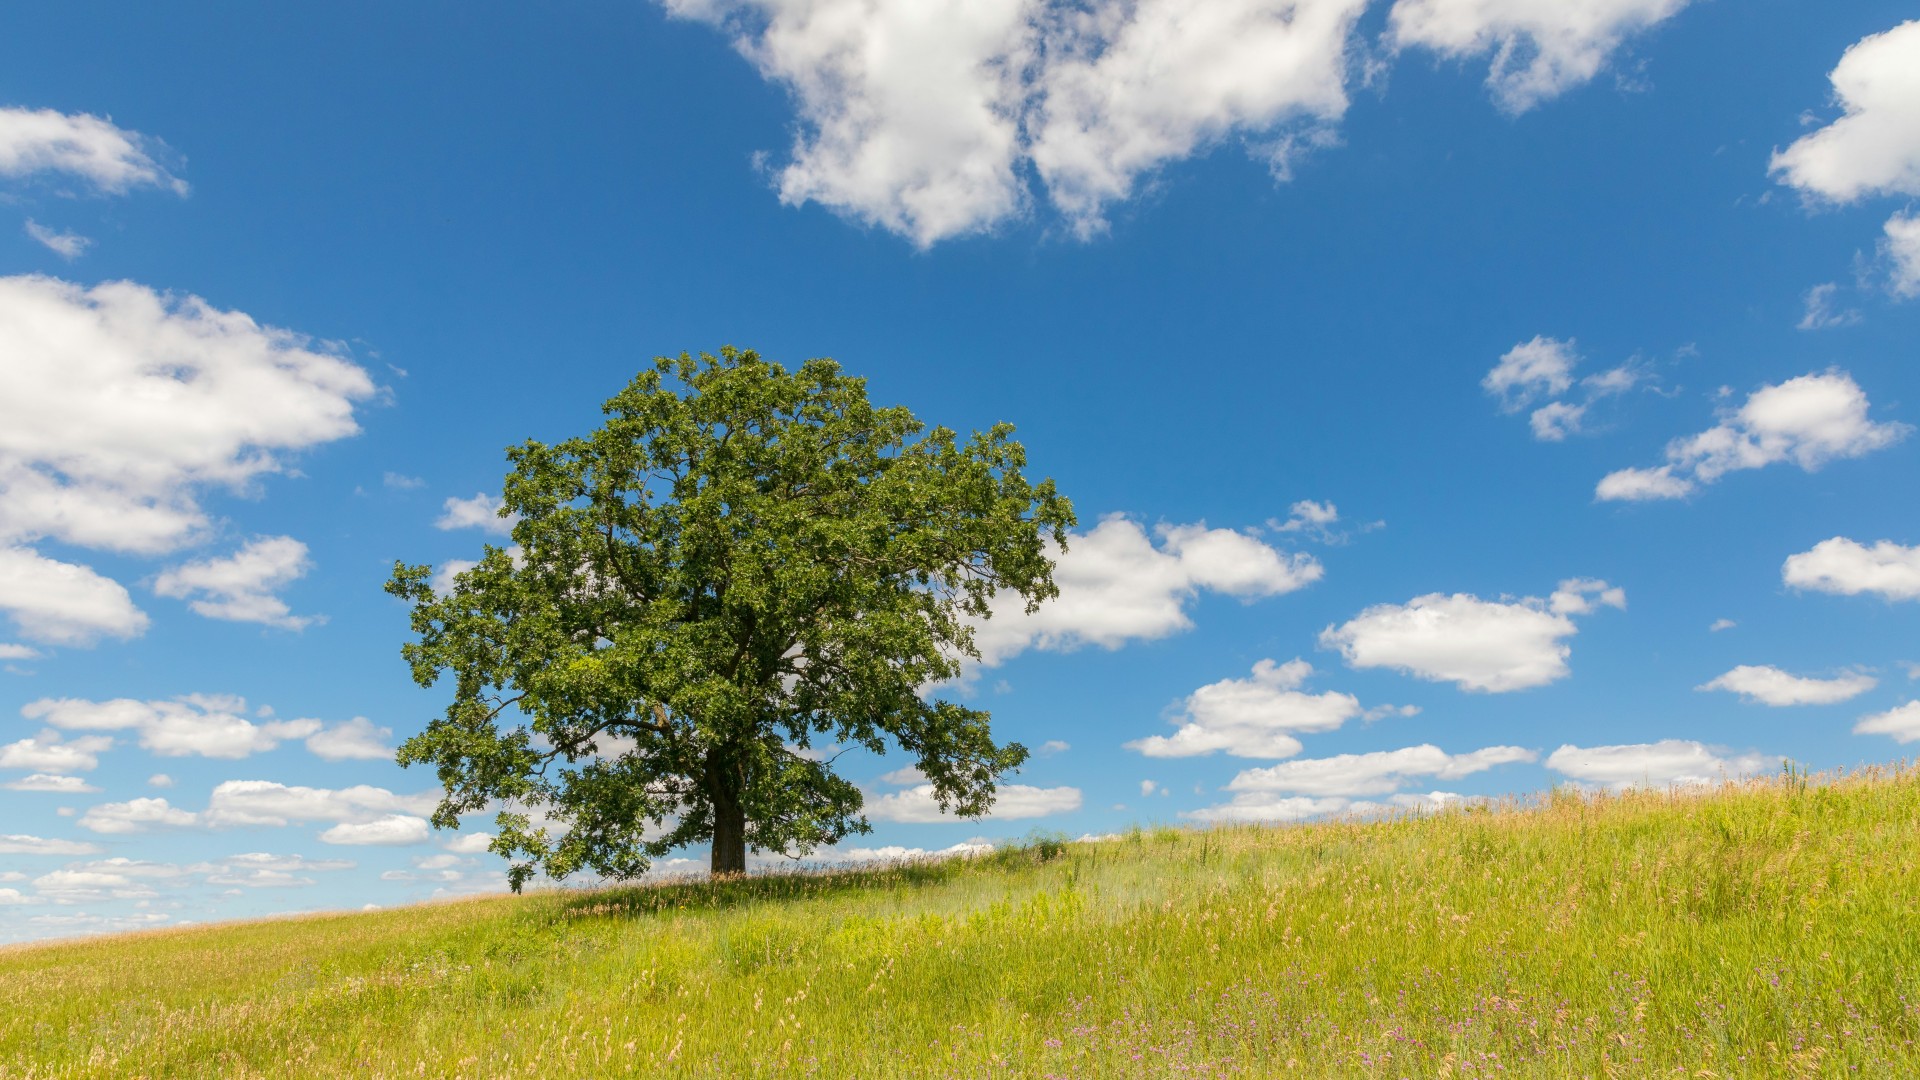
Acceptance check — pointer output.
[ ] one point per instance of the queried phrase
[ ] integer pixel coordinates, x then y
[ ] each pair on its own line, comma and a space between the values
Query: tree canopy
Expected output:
741, 565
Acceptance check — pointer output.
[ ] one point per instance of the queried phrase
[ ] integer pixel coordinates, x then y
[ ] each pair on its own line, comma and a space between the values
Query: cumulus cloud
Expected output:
136, 816
59, 603
64, 785
357, 739
1541, 48
240, 587
1378, 773
480, 512
67, 245
469, 843
1902, 249
1667, 762
391, 830
85, 147
1315, 519
1901, 722
119, 404
10, 651
1874, 147
1011, 802
357, 815
1809, 421
206, 725
1542, 367
264, 802
1127, 87
1843, 566
1254, 717
46, 753
1484, 645
262, 870
1763, 685
1117, 585
17, 844
920, 118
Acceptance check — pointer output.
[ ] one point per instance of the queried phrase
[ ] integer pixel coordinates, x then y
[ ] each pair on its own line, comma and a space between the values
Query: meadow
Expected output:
1763, 928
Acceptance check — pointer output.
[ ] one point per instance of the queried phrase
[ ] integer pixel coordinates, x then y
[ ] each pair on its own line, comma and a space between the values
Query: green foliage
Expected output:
740, 562
1763, 930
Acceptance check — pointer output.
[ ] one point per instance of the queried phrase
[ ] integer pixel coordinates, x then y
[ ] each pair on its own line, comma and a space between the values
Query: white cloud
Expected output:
45, 752
896, 853
81, 145
1762, 685
1821, 313
122, 866
920, 117
1669, 761
1011, 802
16, 844
160, 780
207, 725
1148, 787
1809, 421
1541, 48
469, 843
1485, 645
1378, 773
264, 802
1128, 87
1721, 624
909, 112
1556, 420
12, 896
1116, 586
1902, 249
480, 512
118, 404
1052, 747
1254, 717
88, 886
241, 586
391, 830
401, 481
1840, 565
66, 785
1639, 485
1260, 806
1874, 147
67, 245
356, 739
62, 603
1542, 367
447, 571
1901, 722
18, 652
1315, 519
135, 816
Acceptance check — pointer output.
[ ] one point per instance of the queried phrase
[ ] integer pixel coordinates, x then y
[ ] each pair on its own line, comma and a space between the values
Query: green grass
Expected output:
1766, 929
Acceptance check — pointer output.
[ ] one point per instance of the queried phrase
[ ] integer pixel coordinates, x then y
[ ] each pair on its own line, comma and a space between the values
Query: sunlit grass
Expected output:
1768, 928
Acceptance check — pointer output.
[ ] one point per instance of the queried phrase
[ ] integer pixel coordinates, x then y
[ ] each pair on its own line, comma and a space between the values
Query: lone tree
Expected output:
741, 561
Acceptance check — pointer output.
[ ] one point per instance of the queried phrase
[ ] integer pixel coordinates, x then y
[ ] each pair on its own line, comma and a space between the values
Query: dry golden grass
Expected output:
1767, 928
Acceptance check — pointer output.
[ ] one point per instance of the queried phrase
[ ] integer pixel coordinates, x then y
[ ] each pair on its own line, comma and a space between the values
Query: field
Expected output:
1766, 928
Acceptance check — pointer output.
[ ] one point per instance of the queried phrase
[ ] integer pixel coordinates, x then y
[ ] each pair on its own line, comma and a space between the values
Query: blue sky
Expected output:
1431, 378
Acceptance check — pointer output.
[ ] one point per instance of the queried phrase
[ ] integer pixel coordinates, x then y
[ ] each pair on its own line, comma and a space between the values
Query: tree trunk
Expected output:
729, 816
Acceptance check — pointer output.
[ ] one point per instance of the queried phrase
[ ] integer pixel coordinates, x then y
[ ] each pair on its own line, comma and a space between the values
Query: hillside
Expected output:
1769, 928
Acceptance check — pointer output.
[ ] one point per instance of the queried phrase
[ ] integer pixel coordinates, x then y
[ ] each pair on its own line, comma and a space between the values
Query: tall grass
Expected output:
1766, 928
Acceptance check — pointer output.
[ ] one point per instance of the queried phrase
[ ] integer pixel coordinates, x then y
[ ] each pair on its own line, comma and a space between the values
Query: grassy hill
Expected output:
1766, 929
